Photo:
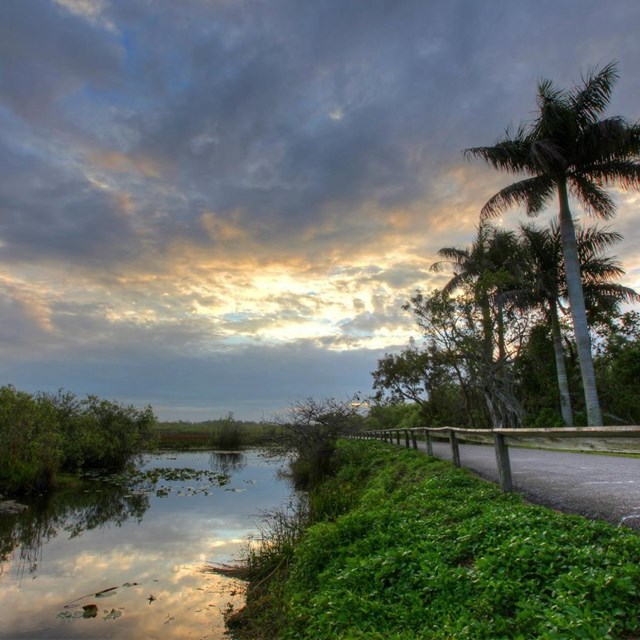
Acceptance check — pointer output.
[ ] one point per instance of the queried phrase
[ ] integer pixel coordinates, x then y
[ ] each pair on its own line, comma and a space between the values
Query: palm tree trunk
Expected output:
487, 329
578, 310
561, 369
502, 351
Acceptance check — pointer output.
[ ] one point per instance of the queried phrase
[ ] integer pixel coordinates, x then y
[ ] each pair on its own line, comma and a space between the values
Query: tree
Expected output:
451, 329
488, 269
409, 375
618, 367
569, 147
423, 378
309, 432
545, 285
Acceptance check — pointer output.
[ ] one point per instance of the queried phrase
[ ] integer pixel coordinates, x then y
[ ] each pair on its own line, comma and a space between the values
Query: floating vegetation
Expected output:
114, 614
91, 610
150, 480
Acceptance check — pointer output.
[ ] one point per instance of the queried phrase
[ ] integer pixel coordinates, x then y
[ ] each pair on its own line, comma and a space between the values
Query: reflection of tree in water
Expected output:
93, 505
227, 462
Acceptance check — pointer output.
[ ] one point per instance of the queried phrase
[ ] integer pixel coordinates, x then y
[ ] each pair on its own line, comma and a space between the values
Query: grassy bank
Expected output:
401, 547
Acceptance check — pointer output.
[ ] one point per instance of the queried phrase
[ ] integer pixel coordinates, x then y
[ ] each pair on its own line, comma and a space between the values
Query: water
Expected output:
151, 544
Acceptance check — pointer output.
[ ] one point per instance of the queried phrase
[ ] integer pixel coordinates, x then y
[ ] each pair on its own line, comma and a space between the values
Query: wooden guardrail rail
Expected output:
602, 439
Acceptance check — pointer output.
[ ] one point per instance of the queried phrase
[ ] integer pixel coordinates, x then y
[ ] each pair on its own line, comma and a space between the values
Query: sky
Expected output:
217, 206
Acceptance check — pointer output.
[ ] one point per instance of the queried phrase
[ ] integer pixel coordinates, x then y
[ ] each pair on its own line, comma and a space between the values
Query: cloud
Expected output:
254, 381
188, 182
54, 55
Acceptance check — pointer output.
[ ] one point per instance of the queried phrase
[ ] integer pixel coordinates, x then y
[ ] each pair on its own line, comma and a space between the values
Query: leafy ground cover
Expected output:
399, 547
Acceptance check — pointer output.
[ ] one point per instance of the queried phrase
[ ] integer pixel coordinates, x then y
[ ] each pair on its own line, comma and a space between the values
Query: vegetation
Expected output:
401, 547
309, 434
569, 147
493, 350
618, 367
224, 433
43, 434
492, 328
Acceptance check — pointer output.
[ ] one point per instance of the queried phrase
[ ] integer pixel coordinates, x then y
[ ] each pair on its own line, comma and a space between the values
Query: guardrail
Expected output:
601, 439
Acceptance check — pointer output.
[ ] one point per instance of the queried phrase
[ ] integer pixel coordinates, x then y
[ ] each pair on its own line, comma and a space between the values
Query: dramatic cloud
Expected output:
217, 205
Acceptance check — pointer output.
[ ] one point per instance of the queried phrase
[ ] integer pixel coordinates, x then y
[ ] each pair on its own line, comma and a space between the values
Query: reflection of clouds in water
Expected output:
192, 600
186, 602
163, 554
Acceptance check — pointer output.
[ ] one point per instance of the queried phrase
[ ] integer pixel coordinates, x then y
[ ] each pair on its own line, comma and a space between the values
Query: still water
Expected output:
109, 561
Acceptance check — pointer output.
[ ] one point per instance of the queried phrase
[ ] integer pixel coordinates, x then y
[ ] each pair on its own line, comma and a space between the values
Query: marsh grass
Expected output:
225, 434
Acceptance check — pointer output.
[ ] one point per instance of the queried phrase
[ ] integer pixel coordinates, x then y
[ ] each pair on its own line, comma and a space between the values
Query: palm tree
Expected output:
545, 285
488, 268
569, 148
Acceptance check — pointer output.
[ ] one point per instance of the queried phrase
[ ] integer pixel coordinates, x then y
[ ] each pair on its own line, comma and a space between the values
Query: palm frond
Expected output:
458, 281
592, 197
598, 271
591, 100
610, 291
554, 120
609, 139
532, 193
454, 254
621, 173
624, 294
594, 240
547, 92
510, 153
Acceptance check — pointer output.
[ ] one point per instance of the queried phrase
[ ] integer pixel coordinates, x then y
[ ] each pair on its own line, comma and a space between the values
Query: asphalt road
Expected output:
596, 486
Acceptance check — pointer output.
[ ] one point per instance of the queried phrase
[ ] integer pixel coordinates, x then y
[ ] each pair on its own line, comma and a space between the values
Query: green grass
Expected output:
406, 547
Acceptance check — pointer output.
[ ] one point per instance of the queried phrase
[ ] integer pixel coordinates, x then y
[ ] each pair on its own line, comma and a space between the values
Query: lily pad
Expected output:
112, 615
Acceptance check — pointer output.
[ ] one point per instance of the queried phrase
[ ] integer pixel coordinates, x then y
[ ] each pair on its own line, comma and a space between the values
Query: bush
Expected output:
42, 434
309, 433
227, 434
30, 442
109, 434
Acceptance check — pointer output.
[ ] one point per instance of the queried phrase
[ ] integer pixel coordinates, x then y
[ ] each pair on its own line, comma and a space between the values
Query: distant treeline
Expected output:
43, 434
221, 433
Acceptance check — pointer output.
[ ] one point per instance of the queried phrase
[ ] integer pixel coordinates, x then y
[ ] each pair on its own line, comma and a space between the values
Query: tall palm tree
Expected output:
569, 147
545, 285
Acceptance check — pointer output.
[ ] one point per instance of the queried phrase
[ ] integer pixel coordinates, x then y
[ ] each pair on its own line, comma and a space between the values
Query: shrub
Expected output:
41, 434
30, 443
227, 434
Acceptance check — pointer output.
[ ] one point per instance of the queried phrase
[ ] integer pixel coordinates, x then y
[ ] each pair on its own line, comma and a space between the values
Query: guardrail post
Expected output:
427, 437
398, 437
406, 438
503, 462
455, 451
414, 441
